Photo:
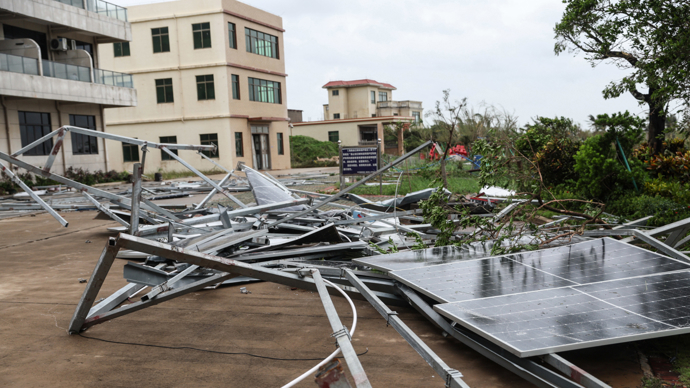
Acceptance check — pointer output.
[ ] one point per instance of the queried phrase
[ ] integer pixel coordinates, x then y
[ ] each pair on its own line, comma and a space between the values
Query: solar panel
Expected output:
425, 257
581, 263
574, 317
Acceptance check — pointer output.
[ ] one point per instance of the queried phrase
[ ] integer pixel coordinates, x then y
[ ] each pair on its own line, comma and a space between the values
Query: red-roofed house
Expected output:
357, 111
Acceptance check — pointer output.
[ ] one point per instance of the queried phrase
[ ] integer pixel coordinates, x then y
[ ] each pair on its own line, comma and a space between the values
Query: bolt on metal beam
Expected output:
341, 334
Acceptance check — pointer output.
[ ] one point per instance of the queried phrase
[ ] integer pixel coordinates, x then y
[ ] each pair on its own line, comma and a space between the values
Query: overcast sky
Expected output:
497, 52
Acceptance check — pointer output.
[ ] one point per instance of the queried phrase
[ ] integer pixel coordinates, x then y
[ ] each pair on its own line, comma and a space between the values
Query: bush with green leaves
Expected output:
601, 168
633, 206
305, 150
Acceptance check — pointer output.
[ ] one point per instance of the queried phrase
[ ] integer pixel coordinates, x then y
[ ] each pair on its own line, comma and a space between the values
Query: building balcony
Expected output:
22, 76
399, 104
96, 18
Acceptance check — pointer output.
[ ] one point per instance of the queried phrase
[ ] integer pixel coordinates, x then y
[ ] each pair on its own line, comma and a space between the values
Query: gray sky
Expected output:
497, 52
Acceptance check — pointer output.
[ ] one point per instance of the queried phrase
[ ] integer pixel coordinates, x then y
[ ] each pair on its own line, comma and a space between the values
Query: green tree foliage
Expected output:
599, 164
305, 150
651, 38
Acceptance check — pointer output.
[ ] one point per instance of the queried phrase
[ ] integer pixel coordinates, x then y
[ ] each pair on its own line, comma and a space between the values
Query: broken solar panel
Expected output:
555, 320
581, 263
267, 191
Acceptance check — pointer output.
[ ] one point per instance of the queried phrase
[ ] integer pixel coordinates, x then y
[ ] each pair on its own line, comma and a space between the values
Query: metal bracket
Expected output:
388, 317
453, 374
340, 333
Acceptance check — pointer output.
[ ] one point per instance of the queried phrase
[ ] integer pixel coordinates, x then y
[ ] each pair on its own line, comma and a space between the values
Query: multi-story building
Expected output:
357, 113
50, 76
207, 72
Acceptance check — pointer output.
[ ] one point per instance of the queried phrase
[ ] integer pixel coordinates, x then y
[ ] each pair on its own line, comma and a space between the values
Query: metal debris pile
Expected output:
331, 244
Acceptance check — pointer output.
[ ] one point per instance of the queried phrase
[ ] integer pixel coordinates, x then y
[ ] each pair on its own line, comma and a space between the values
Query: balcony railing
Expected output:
368, 142
100, 7
112, 78
66, 71
27, 65
17, 64
399, 104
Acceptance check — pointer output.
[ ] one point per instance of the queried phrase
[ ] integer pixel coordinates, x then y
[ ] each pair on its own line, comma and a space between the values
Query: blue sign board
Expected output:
359, 160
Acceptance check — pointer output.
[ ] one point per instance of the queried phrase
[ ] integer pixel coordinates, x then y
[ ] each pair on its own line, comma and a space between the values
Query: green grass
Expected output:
676, 346
457, 185
184, 174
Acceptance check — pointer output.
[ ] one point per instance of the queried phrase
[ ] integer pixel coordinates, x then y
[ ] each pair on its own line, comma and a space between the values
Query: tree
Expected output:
649, 37
446, 115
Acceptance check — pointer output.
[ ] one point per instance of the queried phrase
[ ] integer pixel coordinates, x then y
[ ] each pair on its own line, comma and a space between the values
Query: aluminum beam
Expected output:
204, 177
141, 143
34, 196
341, 334
105, 210
452, 377
214, 191
578, 375
56, 149
646, 237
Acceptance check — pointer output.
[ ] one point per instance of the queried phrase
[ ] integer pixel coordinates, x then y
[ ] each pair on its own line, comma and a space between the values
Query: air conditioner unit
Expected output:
59, 44
72, 44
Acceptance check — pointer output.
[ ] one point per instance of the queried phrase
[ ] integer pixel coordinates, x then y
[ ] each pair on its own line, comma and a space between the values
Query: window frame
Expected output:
235, 82
373, 97
160, 84
239, 138
336, 116
281, 145
211, 139
232, 35
163, 39
331, 136
336, 92
90, 142
198, 30
168, 140
206, 82
417, 116
124, 49
45, 128
127, 149
383, 95
260, 88
261, 43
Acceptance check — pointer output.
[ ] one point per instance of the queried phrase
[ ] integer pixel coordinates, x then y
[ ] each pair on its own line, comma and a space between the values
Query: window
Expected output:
336, 116
121, 49
210, 139
383, 96
281, 147
88, 47
232, 34
168, 140
130, 152
204, 87
239, 147
416, 116
33, 126
161, 40
164, 90
336, 92
202, 35
333, 136
260, 43
12, 32
236, 87
83, 144
373, 115
373, 97
368, 133
264, 91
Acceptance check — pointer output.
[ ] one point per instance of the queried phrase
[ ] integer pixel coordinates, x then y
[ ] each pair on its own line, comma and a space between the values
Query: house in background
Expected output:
357, 113
50, 76
207, 72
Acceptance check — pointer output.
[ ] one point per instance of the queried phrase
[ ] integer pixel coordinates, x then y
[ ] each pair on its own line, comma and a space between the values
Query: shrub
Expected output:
599, 164
664, 210
305, 150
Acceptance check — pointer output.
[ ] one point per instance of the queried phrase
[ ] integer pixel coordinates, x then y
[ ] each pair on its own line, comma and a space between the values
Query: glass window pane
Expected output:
166, 43
201, 91
118, 49
157, 44
210, 91
169, 94
206, 35
197, 39
125, 49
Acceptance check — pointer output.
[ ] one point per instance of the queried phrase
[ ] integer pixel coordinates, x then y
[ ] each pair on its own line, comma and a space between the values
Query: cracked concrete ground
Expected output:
41, 264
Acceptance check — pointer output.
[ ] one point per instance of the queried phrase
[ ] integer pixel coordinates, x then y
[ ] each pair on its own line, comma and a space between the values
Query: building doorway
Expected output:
260, 147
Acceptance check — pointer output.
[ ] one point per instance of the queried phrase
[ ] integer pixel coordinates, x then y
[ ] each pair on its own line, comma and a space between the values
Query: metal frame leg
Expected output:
93, 286
578, 375
452, 377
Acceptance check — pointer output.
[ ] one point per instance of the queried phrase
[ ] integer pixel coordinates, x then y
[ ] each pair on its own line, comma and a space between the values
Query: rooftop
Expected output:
359, 82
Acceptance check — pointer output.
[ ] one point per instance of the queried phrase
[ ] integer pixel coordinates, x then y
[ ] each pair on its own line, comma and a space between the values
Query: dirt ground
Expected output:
41, 264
